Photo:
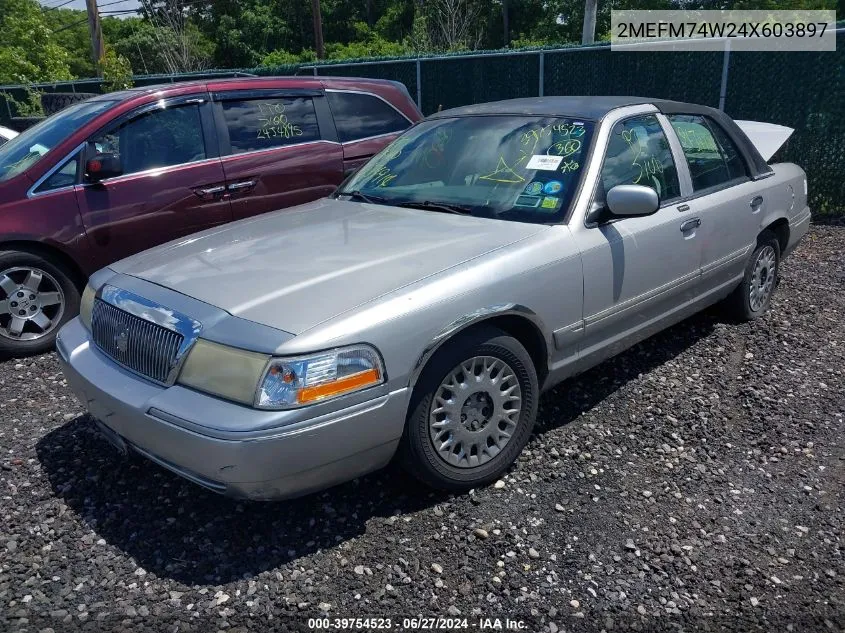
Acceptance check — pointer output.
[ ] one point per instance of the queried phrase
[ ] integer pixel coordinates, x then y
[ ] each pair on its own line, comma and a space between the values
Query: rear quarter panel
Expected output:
786, 198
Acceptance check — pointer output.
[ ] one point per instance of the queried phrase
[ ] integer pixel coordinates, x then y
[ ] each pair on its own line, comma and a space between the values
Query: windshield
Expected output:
23, 151
519, 168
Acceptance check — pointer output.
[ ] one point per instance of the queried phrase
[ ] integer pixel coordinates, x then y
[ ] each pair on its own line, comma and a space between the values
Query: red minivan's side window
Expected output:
358, 116
161, 138
257, 124
65, 176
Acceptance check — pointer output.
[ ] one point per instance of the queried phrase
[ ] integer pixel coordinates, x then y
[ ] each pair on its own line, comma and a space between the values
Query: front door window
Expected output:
161, 138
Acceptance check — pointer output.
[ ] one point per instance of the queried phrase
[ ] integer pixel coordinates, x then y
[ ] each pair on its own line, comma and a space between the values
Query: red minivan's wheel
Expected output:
37, 297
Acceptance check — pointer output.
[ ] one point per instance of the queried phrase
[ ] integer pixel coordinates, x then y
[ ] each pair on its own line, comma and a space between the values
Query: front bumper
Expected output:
272, 455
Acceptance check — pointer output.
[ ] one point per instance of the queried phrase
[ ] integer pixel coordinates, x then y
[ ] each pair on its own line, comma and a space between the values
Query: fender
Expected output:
74, 253
472, 318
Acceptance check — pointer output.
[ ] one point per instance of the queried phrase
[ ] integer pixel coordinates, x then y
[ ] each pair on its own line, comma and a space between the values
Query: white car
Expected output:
6, 134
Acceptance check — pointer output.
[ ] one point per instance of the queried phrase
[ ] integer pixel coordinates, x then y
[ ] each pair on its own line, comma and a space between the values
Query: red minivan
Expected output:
121, 172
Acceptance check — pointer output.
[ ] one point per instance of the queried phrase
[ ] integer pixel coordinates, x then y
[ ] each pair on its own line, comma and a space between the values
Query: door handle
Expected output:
243, 185
690, 224
209, 192
756, 203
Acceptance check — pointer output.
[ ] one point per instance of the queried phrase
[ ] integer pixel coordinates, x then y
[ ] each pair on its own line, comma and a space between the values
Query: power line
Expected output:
140, 9
118, 12
71, 25
58, 6
108, 4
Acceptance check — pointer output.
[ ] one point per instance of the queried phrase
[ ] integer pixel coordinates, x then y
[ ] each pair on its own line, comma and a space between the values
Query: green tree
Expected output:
29, 52
146, 45
117, 71
69, 29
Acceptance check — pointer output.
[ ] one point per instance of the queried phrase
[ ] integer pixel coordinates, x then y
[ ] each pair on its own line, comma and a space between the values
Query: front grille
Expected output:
140, 345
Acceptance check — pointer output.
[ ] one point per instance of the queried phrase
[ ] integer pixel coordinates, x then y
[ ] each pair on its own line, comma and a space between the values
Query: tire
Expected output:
53, 102
761, 276
445, 469
39, 291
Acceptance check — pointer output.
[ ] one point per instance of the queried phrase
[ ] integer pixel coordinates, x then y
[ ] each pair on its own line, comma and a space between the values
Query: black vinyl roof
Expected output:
593, 108
596, 108
587, 107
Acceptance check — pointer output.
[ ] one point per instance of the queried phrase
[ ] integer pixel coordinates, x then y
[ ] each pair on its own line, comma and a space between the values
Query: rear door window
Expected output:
712, 156
267, 123
358, 116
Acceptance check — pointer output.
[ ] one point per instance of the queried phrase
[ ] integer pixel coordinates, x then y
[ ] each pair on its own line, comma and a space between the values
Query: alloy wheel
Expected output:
31, 303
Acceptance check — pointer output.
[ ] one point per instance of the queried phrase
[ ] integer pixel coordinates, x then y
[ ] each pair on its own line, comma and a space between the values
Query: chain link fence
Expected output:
802, 90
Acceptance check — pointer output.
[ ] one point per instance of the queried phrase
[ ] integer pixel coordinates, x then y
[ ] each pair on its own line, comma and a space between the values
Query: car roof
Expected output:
585, 107
248, 82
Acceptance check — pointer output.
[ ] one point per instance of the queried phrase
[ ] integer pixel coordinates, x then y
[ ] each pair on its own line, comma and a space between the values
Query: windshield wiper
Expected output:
360, 195
436, 206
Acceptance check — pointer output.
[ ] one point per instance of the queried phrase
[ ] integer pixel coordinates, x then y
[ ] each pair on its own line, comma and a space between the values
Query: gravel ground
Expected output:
693, 483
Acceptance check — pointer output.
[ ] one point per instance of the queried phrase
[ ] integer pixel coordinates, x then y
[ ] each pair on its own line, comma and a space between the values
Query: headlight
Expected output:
298, 381
86, 306
223, 371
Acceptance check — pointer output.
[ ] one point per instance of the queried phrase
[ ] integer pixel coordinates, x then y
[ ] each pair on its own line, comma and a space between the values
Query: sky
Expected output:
114, 5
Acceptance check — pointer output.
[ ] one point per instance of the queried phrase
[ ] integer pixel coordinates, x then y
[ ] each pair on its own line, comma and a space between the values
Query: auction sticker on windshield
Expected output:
544, 162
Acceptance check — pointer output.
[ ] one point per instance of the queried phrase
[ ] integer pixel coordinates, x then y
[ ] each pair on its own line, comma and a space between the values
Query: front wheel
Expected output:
472, 411
37, 297
752, 297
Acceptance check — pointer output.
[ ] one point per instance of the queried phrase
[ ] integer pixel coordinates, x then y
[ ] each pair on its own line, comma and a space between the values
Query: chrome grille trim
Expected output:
151, 350
156, 339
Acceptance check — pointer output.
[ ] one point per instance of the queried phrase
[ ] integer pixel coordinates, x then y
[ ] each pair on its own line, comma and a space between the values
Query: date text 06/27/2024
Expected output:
417, 624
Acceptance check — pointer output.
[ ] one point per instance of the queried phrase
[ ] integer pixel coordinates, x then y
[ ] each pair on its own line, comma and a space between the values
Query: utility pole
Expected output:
506, 21
589, 34
96, 31
318, 29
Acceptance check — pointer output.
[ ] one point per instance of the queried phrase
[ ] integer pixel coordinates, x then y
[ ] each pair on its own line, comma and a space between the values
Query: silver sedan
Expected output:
486, 255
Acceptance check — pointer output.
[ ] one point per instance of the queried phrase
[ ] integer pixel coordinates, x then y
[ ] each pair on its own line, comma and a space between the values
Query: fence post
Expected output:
314, 68
419, 85
8, 107
542, 73
726, 62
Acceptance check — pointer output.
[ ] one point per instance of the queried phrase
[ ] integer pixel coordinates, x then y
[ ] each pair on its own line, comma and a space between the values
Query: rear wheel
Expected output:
752, 297
472, 411
37, 297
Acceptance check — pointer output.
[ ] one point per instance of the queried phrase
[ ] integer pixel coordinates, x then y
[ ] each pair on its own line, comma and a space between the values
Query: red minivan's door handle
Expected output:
244, 185
210, 192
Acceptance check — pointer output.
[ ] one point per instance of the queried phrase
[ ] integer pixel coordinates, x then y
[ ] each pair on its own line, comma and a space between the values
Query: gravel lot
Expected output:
697, 482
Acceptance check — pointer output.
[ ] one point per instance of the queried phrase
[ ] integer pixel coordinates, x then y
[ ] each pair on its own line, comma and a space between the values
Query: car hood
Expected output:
297, 268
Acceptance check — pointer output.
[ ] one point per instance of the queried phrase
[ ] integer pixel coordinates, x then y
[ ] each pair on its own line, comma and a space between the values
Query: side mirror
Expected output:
632, 201
103, 166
